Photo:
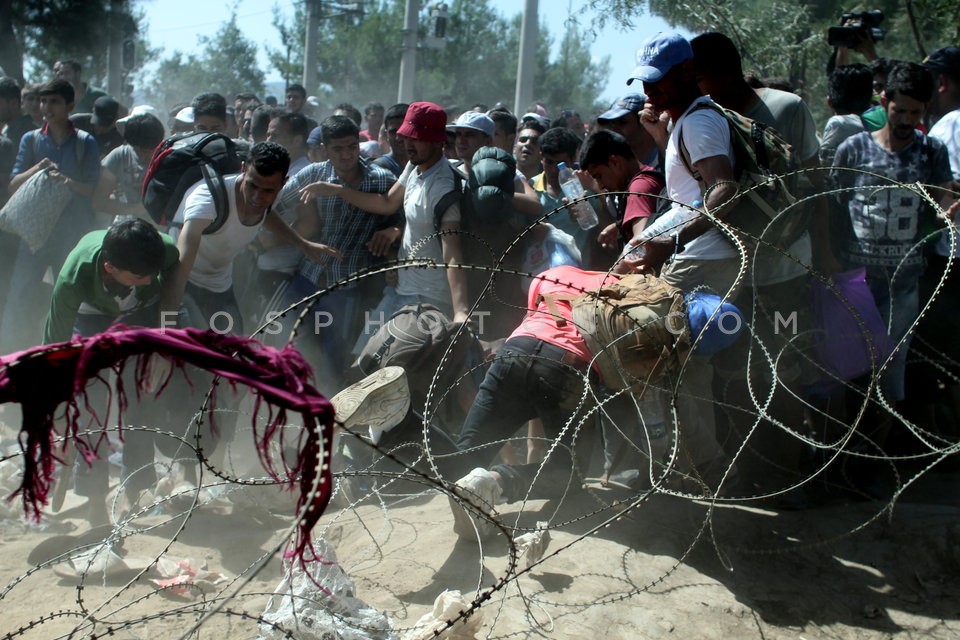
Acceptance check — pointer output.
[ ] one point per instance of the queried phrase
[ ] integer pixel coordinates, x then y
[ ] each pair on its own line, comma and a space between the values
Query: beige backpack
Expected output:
636, 328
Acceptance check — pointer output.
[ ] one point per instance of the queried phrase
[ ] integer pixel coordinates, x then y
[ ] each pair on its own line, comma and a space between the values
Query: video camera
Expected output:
855, 26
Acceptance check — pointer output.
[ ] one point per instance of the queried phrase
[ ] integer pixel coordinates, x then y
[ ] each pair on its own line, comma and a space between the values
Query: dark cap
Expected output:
630, 103
425, 121
945, 60
105, 111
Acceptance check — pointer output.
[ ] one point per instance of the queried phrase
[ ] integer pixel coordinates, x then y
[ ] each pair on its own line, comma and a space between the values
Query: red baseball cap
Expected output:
425, 121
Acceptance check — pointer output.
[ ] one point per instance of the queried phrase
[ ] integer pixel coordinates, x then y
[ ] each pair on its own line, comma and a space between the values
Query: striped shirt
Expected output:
342, 225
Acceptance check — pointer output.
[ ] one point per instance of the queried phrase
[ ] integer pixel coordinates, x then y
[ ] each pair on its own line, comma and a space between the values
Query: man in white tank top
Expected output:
202, 287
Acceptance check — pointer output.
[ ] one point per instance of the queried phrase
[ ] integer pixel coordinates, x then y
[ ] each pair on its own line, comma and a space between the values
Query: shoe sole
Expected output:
371, 401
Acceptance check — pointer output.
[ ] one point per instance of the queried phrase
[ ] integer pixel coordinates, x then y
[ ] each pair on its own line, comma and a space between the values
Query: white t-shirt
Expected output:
213, 268
947, 131
705, 134
420, 196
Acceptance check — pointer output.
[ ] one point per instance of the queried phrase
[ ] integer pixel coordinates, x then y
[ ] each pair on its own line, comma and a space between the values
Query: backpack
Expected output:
416, 338
486, 233
455, 196
180, 162
765, 169
636, 328
485, 196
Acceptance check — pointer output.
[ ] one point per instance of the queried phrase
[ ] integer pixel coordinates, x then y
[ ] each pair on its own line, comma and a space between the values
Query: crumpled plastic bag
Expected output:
180, 577
321, 605
447, 606
531, 546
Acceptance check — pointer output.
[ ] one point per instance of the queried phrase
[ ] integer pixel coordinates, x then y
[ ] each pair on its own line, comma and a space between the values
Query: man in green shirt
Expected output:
113, 275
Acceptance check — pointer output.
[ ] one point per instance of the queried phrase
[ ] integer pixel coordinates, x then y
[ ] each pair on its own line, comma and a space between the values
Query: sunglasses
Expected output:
530, 139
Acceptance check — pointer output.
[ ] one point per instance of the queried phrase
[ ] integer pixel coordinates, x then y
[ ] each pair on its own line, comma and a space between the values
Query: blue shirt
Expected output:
82, 165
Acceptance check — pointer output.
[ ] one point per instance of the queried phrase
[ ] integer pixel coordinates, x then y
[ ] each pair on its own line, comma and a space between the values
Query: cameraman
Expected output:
860, 32
857, 31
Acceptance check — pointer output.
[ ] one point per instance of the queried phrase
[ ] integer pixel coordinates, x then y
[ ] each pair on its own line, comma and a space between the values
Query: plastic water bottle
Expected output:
580, 209
636, 251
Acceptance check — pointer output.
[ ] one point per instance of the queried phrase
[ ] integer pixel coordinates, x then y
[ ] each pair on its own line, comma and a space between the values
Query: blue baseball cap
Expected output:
719, 333
658, 54
315, 139
630, 103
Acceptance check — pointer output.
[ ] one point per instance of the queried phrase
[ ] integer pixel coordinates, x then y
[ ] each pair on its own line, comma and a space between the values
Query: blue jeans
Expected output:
899, 304
527, 379
327, 332
205, 309
219, 312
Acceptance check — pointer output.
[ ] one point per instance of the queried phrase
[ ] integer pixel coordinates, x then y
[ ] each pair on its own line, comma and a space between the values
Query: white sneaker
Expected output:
481, 489
381, 399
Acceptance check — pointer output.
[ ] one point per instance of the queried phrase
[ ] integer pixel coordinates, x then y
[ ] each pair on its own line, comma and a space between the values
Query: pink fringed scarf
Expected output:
41, 378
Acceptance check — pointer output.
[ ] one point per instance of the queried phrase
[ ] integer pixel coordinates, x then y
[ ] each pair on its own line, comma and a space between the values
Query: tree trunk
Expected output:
916, 32
11, 57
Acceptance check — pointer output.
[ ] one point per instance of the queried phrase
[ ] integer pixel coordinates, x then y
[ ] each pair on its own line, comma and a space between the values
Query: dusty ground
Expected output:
669, 568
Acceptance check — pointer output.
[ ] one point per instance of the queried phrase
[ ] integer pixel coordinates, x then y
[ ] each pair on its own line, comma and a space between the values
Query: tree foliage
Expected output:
355, 52
573, 80
358, 58
44, 31
778, 38
226, 64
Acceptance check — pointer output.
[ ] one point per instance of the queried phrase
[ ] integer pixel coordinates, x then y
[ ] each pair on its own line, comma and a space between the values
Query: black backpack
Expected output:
180, 162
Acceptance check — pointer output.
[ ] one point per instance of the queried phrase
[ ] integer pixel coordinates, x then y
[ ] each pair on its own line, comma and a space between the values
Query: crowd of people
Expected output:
322, 208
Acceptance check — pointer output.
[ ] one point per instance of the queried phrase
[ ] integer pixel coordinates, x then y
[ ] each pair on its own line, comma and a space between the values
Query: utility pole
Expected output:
310, 46
114, 49
528, 54
408, 59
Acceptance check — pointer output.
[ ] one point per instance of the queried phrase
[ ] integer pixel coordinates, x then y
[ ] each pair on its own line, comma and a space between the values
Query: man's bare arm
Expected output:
456, 278
285, 233
306, 224
720, 188
188, 244
525, 199
378, 203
